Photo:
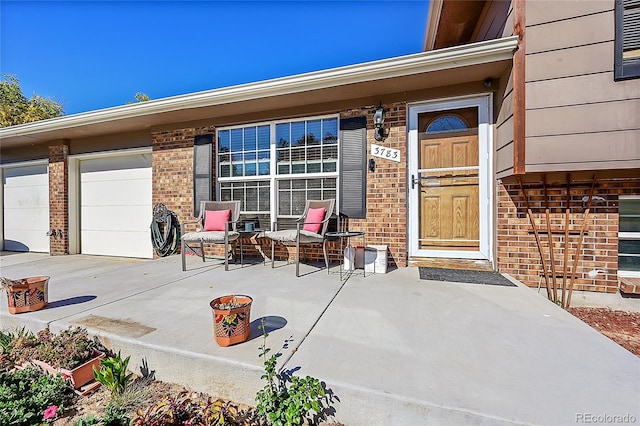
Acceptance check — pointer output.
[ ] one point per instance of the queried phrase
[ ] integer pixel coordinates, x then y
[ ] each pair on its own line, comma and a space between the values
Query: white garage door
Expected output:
26, 208
115, 206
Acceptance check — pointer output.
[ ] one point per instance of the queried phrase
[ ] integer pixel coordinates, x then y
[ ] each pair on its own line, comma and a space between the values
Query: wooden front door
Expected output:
449, 193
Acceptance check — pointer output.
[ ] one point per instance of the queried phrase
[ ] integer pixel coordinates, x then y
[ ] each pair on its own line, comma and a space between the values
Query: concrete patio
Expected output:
395, 350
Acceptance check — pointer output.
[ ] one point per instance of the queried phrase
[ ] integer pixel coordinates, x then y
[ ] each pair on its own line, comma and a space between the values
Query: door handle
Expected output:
414, 181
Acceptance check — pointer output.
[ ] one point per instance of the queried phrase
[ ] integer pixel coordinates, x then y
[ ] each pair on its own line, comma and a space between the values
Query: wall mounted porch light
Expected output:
378, 121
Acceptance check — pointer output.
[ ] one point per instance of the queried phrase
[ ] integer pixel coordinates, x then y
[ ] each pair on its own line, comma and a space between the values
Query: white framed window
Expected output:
274, 167
629, 236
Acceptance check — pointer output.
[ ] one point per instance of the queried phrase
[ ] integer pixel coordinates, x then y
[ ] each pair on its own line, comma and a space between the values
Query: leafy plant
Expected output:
26, 394
68, 349
90, 420
113, 374
171, 410
183, 409
286, 399
115, 415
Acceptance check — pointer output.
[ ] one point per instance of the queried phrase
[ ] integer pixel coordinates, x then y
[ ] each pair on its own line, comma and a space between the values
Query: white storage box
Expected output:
375, 259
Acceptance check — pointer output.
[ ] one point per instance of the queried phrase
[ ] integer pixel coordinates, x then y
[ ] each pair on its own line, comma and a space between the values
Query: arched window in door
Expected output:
446, 123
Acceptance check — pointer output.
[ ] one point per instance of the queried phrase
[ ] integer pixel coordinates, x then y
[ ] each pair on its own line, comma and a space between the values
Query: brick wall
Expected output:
59, 198
386, 220
172, 164
517, 250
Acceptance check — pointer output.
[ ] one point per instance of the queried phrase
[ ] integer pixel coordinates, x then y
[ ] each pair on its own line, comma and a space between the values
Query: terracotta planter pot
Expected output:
231, 319
78, 376
31, 295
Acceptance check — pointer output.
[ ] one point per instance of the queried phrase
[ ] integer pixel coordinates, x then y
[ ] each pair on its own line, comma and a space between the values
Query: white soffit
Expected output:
436, 60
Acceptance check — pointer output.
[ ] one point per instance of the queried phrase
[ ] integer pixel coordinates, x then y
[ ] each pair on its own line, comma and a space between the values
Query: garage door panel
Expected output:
122, 218
19, 198
115, 206
115, 192
104, 166
26, 208
113, 243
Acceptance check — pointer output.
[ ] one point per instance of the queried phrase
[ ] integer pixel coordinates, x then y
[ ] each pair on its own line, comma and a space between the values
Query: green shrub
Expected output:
287, 400
26, 394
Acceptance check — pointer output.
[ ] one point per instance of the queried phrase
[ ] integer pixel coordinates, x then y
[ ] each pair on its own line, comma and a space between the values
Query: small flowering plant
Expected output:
50, 413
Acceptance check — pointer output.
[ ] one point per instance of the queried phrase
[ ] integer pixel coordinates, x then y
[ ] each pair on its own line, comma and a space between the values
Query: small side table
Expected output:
342, 235
258, 233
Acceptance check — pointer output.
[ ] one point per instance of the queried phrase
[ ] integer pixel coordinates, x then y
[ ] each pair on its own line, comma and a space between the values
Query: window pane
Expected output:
628, 206
314, 153
330, 152
224, 144
250, 156
263, 155
282, 135
446, 123
236, 140
250, 139
250, 169
236, 169
329, 167
225, 170
299, 184
264, 200
252, 199
283, 169
314, 194
629, 224
263, 168
225, 194
314, 132
313, 167
330, 131
629, 263
298, 168
629, 247
264, 138
297, 134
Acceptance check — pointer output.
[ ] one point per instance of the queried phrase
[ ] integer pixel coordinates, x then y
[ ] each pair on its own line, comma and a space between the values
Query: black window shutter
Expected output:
353, 167
202, 170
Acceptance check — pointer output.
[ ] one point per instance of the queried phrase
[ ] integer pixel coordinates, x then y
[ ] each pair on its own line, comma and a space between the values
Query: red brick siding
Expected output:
386, 221
172, 164
59, 198
517, 250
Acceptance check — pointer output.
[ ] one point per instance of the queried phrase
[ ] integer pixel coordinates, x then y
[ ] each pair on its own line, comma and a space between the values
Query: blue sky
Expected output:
89, 55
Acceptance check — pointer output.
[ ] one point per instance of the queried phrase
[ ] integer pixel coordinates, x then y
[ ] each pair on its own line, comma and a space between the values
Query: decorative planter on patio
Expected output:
231, 319
27, 294
79, 376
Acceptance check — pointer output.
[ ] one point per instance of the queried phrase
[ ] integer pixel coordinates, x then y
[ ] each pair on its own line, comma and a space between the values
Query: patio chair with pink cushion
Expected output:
310, 229
217, 225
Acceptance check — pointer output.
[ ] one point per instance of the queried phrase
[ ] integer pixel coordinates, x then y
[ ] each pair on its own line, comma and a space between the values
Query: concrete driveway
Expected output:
395, 349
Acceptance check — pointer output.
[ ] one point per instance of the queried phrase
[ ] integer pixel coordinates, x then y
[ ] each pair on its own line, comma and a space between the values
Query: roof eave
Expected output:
459, 56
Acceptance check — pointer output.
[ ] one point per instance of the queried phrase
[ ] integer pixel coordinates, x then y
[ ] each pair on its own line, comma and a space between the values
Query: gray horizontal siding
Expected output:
504, 161
570, 62
584, 119
577, 116
584, 89
608, 150
545, 11
580, 31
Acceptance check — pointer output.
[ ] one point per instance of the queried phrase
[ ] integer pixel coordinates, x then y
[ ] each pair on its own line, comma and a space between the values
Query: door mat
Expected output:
464, 276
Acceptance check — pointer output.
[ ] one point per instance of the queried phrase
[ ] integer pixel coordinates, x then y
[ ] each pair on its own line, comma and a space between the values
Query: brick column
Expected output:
59, 198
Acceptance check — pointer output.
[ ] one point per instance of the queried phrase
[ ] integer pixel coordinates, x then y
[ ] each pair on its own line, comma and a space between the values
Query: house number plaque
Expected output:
386, 153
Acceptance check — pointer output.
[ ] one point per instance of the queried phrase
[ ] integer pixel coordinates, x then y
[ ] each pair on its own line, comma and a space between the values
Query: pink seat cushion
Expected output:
314, 215
214, 220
